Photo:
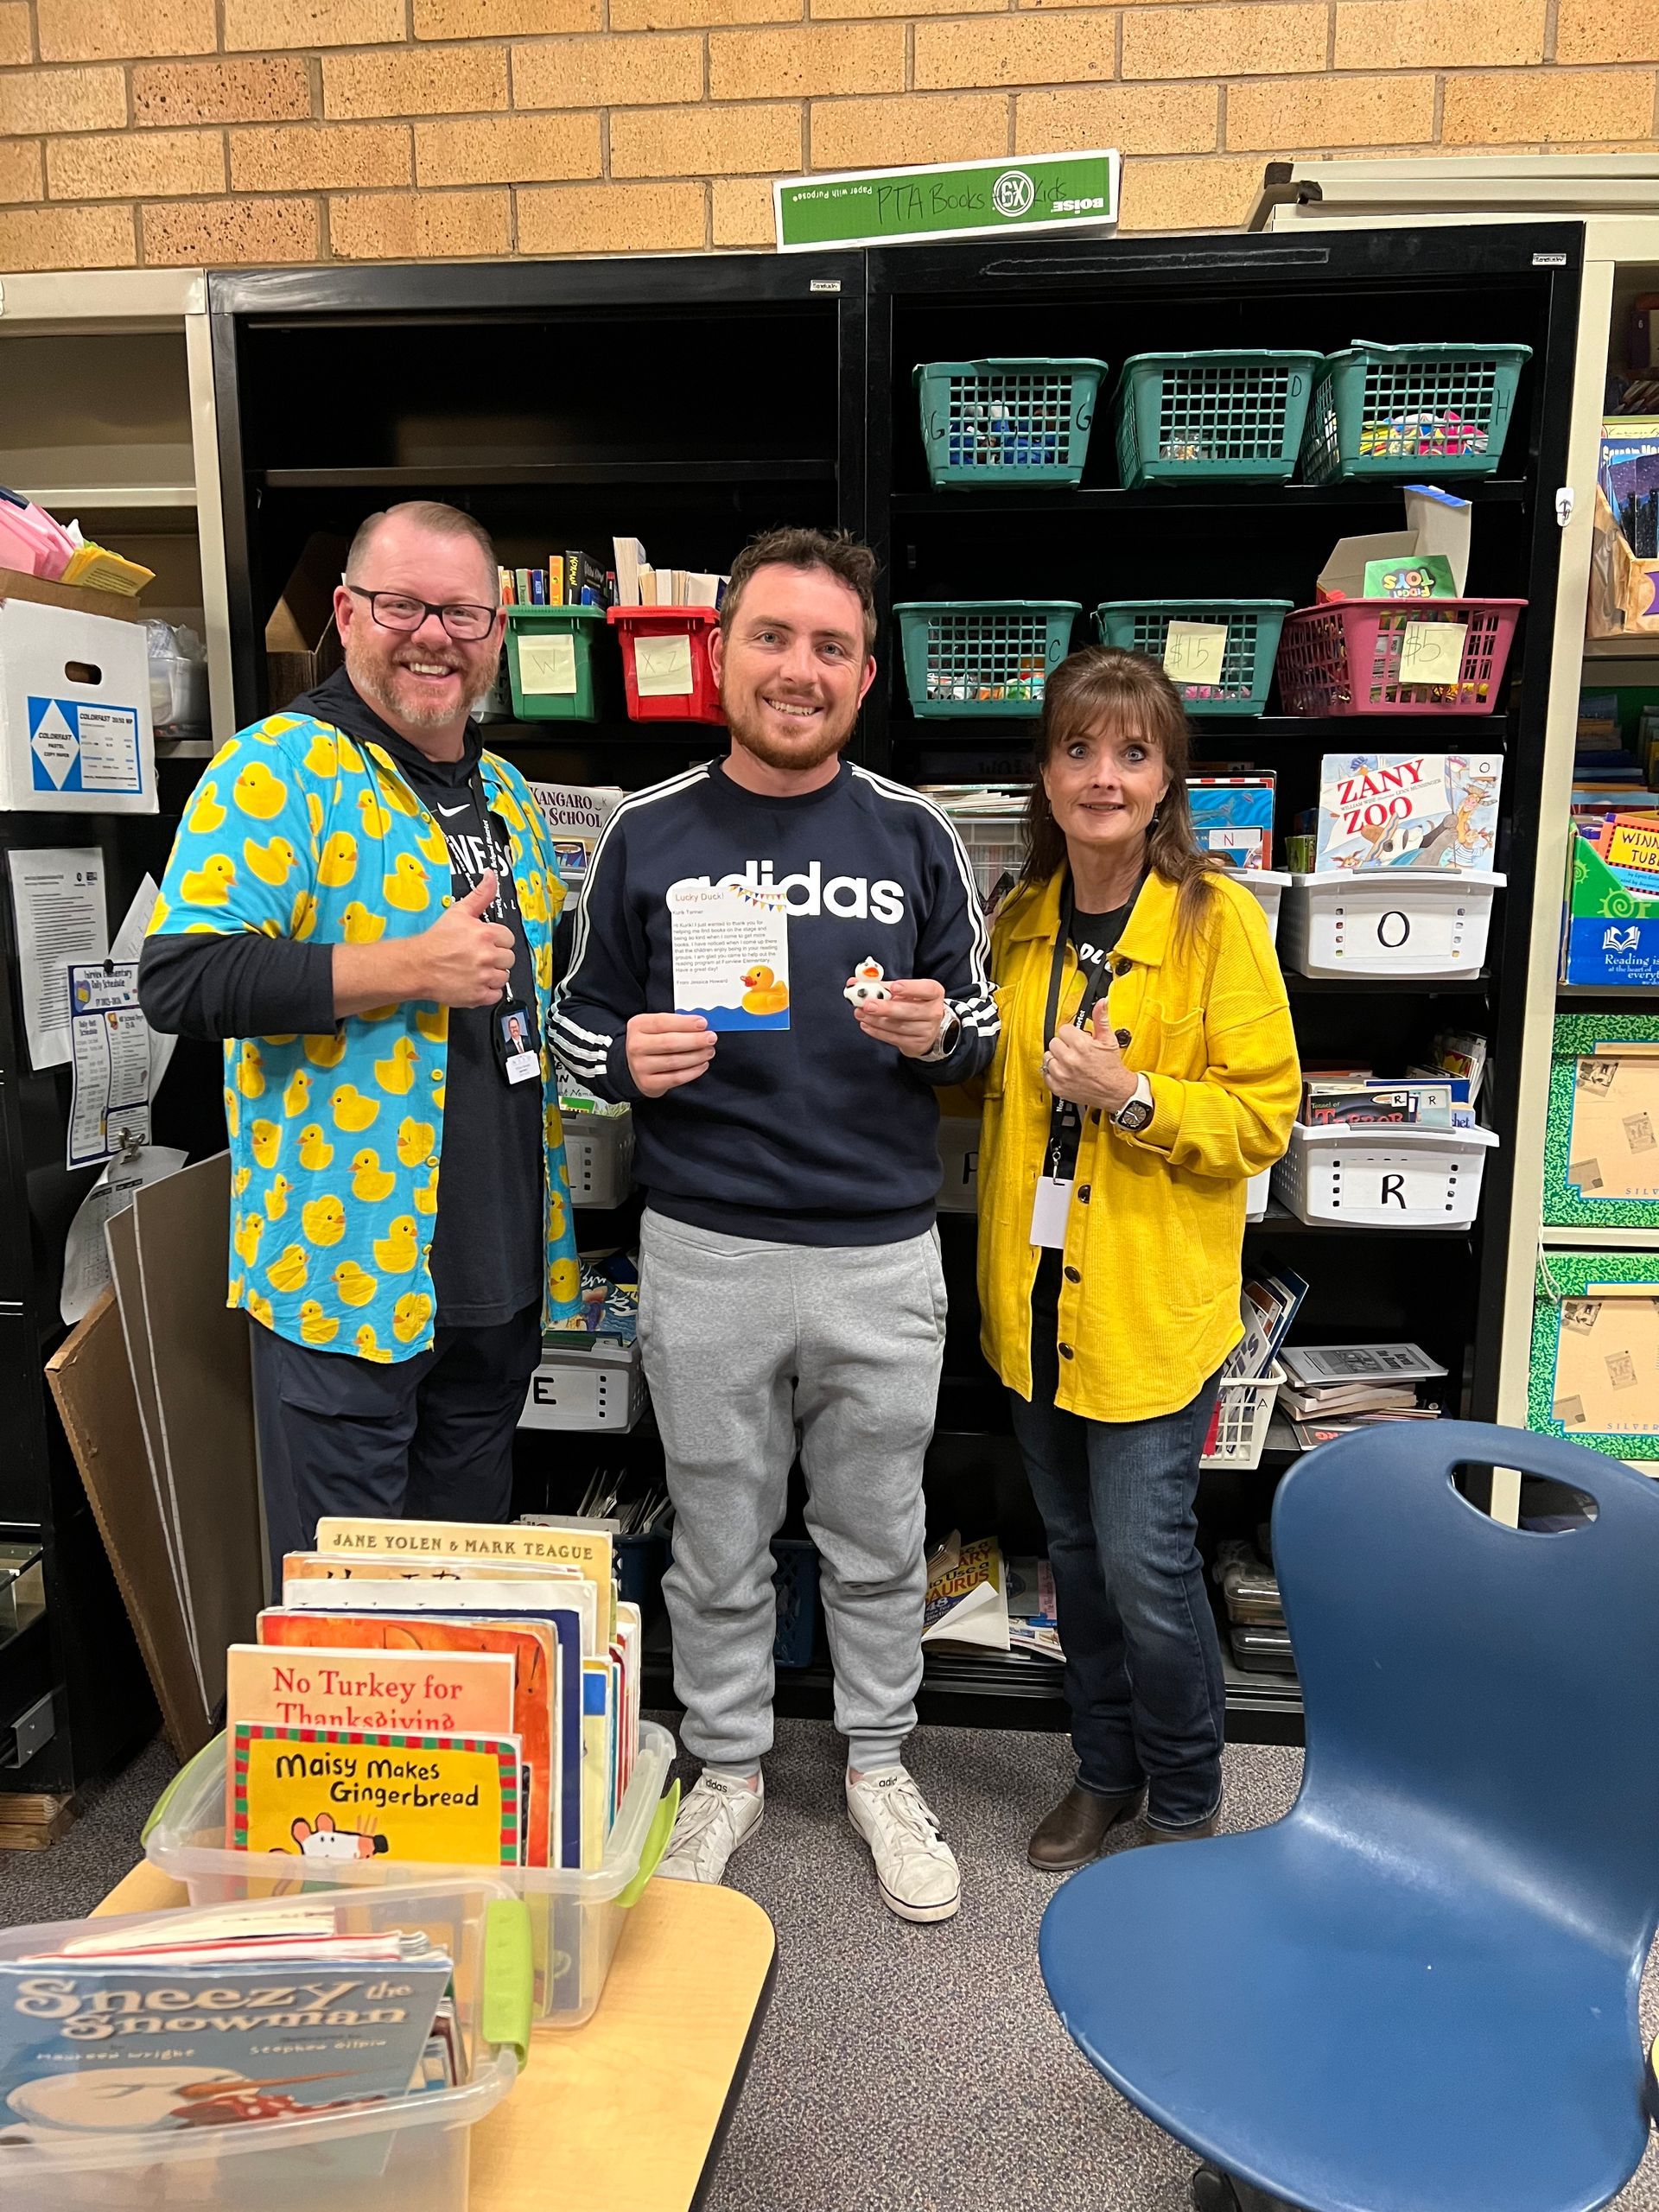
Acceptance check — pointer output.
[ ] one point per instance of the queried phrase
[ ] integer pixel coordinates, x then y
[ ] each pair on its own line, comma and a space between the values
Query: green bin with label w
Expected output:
551, 662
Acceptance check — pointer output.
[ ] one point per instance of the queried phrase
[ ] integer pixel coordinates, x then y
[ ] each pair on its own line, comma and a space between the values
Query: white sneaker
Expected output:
717, 1816
916, 1871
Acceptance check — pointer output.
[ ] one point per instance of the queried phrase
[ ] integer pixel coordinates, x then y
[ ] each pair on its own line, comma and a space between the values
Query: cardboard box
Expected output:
1610, 935
75, 731
301, 643
1436, 522
1624, 599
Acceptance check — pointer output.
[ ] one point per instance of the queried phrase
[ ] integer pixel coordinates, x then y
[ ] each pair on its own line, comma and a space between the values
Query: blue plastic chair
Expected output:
1417, 1991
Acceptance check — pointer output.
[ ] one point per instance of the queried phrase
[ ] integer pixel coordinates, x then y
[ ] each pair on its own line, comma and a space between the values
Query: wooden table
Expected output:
638, 2101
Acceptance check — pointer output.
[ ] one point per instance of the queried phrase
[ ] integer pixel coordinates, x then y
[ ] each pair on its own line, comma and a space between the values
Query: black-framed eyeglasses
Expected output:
465, 620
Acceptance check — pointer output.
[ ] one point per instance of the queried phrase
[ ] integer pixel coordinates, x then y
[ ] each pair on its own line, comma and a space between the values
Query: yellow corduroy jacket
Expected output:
1149, 1294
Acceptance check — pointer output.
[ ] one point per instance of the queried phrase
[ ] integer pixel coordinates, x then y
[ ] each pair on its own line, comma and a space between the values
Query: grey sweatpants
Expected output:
749, 1347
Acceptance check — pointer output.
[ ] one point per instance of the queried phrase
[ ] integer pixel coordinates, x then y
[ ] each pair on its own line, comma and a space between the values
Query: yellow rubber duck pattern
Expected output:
294, 831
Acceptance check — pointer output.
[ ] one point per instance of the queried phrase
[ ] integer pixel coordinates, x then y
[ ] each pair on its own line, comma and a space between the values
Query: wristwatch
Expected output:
945, 1042
1137, 1109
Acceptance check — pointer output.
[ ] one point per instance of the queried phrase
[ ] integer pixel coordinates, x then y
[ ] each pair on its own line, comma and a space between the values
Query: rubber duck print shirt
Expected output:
299, 832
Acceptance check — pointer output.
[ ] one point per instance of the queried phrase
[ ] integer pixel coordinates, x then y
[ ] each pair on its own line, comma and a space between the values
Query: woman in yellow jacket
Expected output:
1146, 1070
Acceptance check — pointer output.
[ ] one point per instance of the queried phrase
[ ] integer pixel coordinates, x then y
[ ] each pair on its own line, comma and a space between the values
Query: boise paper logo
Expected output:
1012, 194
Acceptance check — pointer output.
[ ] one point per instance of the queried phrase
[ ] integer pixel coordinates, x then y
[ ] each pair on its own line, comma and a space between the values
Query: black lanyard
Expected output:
512, 1045
1063, 1116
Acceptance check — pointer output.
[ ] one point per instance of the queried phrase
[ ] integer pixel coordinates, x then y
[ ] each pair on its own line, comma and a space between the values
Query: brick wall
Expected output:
179, 131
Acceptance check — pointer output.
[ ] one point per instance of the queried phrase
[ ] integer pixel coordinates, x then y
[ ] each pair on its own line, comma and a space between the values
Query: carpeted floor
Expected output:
900, 2068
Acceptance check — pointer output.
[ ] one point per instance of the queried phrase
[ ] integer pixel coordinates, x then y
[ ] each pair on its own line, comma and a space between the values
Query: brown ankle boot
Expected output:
1073, 1832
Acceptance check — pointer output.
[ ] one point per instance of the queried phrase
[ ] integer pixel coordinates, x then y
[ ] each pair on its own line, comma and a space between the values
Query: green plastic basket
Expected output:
1398, 410
980, 657
1023, 421
1236, 412
550, 662
1141, 626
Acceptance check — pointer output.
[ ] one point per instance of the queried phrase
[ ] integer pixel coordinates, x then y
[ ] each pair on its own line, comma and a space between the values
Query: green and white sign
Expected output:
946, 199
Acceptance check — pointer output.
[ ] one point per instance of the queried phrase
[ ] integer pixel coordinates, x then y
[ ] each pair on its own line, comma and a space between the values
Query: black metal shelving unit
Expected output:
691, 401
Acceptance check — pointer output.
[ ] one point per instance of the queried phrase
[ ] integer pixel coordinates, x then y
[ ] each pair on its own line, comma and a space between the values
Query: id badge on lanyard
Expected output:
512, 1038
1051, 1205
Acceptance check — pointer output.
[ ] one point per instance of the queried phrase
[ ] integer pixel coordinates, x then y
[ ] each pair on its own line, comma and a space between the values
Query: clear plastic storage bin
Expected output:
1381, 1175
1401, 921
408, 2154
575, 1916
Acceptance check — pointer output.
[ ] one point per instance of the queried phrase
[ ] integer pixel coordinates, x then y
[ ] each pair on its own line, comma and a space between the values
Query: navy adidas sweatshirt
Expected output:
815, 1134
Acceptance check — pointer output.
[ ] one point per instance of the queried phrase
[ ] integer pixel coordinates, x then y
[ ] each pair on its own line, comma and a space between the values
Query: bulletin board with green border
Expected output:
1565, 1204
1563, 1279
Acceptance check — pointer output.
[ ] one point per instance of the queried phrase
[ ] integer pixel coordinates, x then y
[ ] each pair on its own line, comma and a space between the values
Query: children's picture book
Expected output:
584, 1544
537, 1595
440, 1694
98, 2042
537, 1708
575, 815
1595, 1351
966, 1602
1601, 1137
1232, 818
1313, 1365
1269, 1304
331, 1794
1407, 809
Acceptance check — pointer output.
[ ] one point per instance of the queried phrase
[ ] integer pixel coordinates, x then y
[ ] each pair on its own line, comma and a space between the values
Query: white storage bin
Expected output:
1397, 921
1246, 1409
1372, 1175
1256, 1195
959, 1156
599, 1157
575, 1915
408, 2154
593, 1383
1269, 884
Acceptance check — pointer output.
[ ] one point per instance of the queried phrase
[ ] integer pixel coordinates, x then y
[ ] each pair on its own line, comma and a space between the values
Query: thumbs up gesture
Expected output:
464, 960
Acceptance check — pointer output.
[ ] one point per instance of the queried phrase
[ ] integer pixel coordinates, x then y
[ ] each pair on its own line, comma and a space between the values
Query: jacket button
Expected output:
1083, 1193
1065, 1351
1120, 968
1123, 1039
1074, 1275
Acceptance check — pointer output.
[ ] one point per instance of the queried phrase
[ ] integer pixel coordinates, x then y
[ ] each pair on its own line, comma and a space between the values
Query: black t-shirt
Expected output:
1093, 938
488, 1242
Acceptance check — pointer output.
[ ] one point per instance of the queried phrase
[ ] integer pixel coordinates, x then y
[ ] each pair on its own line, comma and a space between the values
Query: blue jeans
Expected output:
1142, 1661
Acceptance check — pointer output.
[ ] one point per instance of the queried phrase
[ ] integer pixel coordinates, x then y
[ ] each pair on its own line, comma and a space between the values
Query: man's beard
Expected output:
754, 737
366, 675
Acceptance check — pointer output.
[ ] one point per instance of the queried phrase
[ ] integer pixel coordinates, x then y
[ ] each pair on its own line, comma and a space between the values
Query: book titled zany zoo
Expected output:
323, 1793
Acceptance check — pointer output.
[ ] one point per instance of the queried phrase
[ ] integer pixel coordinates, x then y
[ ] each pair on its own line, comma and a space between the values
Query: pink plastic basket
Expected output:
1344, 658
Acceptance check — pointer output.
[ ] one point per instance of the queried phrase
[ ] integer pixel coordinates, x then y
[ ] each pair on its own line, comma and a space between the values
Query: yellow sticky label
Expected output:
547, 666
1431, 652
1193, 652
662, 667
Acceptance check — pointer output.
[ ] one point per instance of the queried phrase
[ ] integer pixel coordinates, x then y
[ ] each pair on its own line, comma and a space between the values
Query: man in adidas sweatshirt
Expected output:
790, 1283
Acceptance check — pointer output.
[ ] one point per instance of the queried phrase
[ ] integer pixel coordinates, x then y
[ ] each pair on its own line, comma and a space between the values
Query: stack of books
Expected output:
1438, 1095
443, 1692
573, 579
640, 584
1334, 1389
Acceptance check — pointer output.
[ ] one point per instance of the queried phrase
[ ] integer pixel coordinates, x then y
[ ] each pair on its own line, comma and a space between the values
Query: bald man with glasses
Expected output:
360, 906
